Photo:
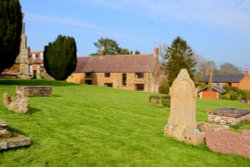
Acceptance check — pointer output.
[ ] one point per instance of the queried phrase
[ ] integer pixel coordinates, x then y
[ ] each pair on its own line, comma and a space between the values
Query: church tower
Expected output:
23, 57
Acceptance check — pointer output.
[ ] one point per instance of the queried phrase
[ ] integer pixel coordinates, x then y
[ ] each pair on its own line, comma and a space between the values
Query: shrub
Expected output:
164, 87
10, 32
234, 93
60, 57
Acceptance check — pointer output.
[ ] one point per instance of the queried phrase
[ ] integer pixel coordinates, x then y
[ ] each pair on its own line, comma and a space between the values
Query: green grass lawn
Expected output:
82, 125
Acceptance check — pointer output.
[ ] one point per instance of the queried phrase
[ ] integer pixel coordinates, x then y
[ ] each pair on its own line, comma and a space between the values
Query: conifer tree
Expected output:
10, 32
60, 57
179, 56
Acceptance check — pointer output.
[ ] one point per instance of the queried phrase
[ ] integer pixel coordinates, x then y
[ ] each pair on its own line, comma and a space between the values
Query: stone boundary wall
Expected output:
34, 90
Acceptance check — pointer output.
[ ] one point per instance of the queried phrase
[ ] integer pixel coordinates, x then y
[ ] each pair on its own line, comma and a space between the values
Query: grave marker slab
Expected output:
182, 123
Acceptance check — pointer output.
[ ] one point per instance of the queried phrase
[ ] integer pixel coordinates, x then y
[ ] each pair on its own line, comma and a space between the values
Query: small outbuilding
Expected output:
204, 93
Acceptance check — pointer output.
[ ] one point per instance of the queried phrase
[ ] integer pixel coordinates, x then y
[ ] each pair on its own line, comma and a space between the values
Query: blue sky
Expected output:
218, 30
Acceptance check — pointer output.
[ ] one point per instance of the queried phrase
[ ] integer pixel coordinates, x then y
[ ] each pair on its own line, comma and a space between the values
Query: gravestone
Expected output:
182, 123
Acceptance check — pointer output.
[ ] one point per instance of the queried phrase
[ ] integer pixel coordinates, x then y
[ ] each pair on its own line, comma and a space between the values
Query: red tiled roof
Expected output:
121, 63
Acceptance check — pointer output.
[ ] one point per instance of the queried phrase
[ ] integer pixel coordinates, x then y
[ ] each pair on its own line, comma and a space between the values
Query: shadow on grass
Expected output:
33, 110
38, 82
11, 129
55, 96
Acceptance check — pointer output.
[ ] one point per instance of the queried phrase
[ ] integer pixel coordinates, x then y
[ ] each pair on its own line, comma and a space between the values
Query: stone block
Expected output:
34, 90
11, 139
17, 141
231, 116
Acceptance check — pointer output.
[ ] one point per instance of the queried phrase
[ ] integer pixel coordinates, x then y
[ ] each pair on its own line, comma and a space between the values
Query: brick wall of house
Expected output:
116, 80
150, 80
245, 83
236, 85
206, 95
76, 78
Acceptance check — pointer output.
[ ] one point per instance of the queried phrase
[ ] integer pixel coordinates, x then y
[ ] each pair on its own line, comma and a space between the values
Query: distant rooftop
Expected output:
223, 78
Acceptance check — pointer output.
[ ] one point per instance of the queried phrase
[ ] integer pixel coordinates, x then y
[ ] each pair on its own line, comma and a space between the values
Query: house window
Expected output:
88, 82
88, 75
139, 75
124, 79
107, 75
108, 85
139, 87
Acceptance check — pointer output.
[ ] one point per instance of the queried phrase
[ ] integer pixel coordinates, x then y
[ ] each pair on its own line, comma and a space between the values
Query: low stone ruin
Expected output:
231, 116
20, 104
182, 123
160, 100
11, 139
34, 90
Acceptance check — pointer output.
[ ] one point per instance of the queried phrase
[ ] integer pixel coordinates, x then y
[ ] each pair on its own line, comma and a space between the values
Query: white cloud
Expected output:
232, 15
87, 26
59, 20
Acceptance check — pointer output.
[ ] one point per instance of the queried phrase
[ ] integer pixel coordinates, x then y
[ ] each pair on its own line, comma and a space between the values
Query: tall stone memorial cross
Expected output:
182, 121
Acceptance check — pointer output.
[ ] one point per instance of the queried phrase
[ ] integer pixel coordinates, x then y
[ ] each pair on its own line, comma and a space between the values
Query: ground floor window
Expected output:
124, 79
88, 82
139, 87
88, 75
108, 84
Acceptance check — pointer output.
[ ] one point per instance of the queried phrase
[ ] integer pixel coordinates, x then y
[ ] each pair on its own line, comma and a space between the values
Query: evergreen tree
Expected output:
10, 32
60, 57
179, 56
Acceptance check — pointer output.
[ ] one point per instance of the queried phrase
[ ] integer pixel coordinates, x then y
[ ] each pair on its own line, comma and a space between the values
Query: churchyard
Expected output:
81, 125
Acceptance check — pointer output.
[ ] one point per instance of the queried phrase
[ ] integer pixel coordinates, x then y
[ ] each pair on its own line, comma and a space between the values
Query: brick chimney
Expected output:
246, 72
156, 52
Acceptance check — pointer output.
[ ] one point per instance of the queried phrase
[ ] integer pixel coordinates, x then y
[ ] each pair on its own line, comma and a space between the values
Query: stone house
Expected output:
36, 66
241, 81
130, 72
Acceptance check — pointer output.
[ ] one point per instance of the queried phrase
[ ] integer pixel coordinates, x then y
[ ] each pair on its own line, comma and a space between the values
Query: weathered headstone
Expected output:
182, 121
20, 103
11, 139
